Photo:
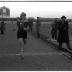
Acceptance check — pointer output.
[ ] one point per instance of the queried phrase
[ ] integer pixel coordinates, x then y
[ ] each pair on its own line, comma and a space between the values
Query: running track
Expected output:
39, 55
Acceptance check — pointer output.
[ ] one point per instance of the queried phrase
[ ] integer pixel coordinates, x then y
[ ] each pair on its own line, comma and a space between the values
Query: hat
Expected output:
63, 17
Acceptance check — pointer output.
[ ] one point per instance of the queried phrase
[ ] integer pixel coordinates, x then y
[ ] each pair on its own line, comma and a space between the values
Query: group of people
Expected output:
23, 25
22, 28
60, 32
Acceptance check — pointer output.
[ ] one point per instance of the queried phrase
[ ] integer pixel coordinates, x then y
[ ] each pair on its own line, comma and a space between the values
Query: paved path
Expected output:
39, 55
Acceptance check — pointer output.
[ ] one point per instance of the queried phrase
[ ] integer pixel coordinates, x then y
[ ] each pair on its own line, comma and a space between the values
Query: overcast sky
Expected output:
41, 9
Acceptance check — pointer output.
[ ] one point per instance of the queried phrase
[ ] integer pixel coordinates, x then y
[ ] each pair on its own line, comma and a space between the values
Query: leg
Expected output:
25, 41
38, 35
60, 45
2, 32
68, 46
21, 45
55, 34
52, 33
25, 38
31, 28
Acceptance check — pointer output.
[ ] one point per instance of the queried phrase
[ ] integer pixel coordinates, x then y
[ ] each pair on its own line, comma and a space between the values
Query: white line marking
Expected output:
35, 53
52, 40
56, 40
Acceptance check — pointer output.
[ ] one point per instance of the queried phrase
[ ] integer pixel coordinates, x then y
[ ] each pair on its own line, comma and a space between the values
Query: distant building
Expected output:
4, 12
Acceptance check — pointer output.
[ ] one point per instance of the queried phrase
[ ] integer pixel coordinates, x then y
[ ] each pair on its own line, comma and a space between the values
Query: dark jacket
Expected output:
63, 31
22, 25
2, 25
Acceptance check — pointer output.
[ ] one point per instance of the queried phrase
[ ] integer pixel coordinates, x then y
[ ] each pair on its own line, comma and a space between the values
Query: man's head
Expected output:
38, 19
23, 16
63, 18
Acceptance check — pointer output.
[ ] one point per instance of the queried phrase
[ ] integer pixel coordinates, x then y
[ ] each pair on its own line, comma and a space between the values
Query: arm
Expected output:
27, 26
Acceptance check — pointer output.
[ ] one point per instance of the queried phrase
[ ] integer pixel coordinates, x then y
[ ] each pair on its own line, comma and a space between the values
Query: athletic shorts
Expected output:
22, 34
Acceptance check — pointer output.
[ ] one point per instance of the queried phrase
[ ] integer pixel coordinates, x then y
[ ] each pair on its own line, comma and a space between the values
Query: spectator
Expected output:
63, 36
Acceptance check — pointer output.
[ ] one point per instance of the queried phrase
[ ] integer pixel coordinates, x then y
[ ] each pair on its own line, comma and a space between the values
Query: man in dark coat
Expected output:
38, 27
63, 36
2, 27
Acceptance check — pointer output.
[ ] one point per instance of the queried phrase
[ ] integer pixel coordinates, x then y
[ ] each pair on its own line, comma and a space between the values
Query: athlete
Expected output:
22, 27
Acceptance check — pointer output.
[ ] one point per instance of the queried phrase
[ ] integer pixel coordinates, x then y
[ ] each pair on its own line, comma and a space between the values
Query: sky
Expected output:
40, 9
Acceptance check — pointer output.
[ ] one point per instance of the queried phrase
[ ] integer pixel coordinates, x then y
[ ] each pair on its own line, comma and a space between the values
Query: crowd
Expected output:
59, 30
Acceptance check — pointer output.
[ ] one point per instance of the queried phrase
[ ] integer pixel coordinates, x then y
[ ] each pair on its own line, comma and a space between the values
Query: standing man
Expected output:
38, 27
54, 31
63, 36
30, 24
22, 25
2, 27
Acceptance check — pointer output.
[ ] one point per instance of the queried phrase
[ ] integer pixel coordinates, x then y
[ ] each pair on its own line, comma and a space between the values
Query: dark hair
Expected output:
23, 14
63, 17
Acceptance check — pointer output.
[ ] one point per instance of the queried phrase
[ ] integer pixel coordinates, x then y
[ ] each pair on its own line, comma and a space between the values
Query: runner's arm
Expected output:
27, 27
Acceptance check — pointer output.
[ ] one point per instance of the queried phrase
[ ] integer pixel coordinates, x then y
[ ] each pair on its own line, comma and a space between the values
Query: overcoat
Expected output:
63, 35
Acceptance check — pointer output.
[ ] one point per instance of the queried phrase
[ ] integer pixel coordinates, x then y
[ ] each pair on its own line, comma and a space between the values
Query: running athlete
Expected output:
22, 25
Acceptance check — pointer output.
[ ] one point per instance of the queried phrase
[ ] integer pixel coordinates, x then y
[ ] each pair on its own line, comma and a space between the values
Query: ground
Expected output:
38, 55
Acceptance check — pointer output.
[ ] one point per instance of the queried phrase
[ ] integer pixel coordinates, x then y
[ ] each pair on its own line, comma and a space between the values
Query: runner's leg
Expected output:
60, 45
21, 45
25, 41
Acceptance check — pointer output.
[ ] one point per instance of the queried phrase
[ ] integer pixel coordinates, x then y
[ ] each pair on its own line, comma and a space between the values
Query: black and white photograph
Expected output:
35, 36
